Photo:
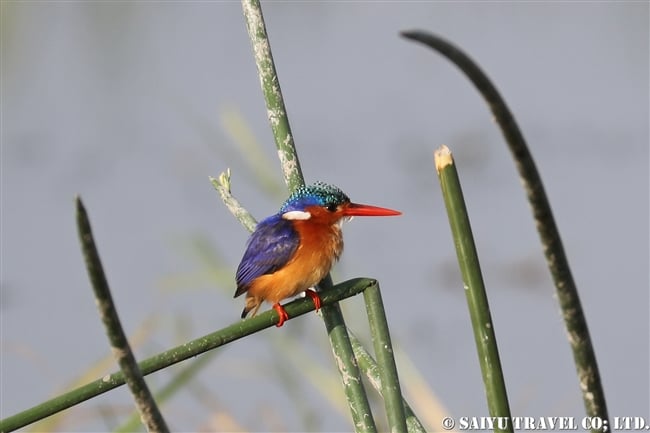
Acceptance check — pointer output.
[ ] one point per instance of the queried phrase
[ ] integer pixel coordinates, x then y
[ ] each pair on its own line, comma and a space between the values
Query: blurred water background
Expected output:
134, 104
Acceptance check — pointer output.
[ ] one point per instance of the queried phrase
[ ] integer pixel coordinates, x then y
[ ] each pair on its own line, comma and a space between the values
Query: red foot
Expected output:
314, 297
282, 313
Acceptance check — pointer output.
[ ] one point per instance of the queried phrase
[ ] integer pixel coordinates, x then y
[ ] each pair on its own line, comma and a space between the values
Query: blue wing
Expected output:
269, 248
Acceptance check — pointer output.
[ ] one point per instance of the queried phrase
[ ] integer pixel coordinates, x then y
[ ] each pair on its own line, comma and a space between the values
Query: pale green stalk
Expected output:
477, 302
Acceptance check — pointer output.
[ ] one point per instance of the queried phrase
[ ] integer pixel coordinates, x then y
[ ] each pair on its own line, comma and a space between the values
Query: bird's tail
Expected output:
252, 304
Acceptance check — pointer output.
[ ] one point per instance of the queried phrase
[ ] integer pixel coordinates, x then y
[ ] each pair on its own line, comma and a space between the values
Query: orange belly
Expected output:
319, 248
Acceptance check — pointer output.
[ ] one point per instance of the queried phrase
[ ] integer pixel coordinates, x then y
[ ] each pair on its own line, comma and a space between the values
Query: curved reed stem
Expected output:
567, 292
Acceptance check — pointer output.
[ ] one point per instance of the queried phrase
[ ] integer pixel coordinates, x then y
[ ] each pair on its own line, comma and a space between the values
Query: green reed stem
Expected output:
334, 323
150, 414
575, 321
276, 110
369, 367
479, 308
178, 382
238, 330
347, 363
391, 390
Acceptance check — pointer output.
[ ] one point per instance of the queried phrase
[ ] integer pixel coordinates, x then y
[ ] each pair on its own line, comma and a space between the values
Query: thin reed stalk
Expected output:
477, 302
150, 414
391, 390
334, 322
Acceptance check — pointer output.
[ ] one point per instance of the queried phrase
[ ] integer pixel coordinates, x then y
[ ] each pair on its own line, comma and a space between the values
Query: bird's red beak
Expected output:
356, 209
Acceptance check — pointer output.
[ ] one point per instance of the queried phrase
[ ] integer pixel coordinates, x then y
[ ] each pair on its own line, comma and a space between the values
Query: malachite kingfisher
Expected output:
293, 250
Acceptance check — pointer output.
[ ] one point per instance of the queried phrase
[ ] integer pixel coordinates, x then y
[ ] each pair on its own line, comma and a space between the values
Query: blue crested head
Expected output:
317, 194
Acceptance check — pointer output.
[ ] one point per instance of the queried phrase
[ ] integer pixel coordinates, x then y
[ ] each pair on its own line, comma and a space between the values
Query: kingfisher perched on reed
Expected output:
293, 250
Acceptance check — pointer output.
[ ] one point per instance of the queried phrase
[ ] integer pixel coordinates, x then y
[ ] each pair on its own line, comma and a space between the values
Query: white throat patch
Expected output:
296, 215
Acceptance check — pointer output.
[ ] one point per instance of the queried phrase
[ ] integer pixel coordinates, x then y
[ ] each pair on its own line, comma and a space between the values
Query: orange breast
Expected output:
321, 244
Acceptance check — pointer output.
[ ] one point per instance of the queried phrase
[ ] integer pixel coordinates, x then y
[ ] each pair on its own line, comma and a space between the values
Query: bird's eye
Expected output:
332, 208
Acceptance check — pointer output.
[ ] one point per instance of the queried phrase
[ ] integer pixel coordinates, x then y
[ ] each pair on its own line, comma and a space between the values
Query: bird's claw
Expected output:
282, 313
284, 316
314, 297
